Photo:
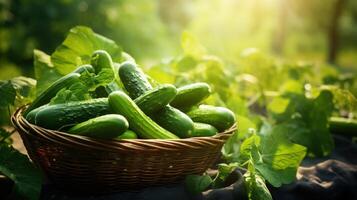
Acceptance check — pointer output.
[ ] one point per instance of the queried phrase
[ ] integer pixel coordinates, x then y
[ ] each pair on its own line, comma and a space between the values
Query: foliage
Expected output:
19, 169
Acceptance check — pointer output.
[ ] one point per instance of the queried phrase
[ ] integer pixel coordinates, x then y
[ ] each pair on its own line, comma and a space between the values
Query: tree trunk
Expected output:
333, 34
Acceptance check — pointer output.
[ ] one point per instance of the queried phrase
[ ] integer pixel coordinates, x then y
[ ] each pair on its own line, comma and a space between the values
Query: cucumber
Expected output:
101, 59
203, 130
84, 68
129, 134
190, 95
343, 126
219, 117
60, 116
156, 99
133, 79
51, 91
122, 104
103, 127
174, 121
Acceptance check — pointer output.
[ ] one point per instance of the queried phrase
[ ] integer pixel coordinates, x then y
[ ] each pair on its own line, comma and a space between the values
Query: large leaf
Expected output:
45, 73
18, 168
276, 158
78, 47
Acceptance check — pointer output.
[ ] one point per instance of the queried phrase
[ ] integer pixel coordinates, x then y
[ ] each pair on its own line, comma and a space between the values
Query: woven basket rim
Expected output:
20, 122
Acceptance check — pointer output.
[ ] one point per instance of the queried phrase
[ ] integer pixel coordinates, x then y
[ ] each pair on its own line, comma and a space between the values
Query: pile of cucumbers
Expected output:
134, 109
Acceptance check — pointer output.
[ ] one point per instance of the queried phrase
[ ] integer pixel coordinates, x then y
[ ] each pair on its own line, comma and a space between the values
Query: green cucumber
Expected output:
190, 95
129, 134
219, 117
174, 121
51, 91
60, 116
103, 127
127, 57
122, 104
203, 130
156, 99
343, 126
133, 79
100, 60
84, 68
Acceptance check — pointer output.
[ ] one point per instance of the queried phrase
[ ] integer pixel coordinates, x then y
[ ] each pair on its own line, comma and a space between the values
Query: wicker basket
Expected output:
88, 165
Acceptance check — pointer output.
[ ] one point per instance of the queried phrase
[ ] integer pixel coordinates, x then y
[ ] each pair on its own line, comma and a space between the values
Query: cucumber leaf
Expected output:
276, 158
18, 168
45, 73
78, 47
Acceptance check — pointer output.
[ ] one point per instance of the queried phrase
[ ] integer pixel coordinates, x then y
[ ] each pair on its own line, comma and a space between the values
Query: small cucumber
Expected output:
60, 116
190, 95
156, 99
102, 127
174, 121
51, 91
122, 104
203, 130
101, 59
83, 68
133, 79
219, 117
129, 134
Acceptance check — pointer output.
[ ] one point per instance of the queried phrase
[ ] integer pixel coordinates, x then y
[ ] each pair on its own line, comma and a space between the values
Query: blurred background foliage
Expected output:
261, 48
319, 30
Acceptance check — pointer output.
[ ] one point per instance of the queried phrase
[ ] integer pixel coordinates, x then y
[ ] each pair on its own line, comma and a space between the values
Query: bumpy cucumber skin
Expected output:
174, 121
129, 134
156, 99
83, 68
203, 130
101, 59
133, 79
190, 95
146, 128
51, 91
219, 117
61, 116
102, 127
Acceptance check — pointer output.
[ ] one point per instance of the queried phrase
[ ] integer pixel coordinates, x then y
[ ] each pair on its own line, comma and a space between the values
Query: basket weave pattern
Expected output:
81, 163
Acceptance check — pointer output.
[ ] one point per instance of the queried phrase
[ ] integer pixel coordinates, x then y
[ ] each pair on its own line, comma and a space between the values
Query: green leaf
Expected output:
246, 147
255, 185
17, 167
276, 158
76, 92
305, 121
224, 170
196, 184
24, 86
78, 47
45, 73
231, 150
278, 105
7, 93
